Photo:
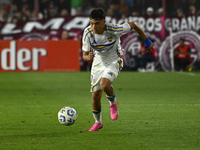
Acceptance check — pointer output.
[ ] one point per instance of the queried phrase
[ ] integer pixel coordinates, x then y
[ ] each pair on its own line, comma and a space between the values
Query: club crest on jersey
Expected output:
110, 39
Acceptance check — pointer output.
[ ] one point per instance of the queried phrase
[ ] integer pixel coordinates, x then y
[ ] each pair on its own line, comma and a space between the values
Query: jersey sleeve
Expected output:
85, 41
118, 29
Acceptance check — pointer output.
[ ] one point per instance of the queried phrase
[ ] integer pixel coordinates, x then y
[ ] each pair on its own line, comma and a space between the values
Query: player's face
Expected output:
97, 25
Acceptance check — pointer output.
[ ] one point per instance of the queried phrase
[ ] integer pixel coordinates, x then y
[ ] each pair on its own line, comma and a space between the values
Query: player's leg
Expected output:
106, 86
96, 105
96, 74
109, 75
96, 109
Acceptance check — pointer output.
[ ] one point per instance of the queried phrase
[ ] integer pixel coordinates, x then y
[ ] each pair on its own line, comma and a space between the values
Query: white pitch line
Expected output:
190, 74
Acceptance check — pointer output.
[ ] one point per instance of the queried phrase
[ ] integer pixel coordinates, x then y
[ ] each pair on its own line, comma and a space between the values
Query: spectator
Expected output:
143, 57
34, 17
28, 14
5, 18
25, 8
135, 13
86, 7
130, 4
182, 56
64, 5
44, 7
115, 11
4, 3
2, 14
195, 3
192, 10
123, 7
52, 10
25, 18
123, 16
13, 10
23, 3
160, 12
78, 12
109, 12
18, 14
182, 4
179, 13
15, 20
65, 35
104, 4
150, 11
75, 6
64, 12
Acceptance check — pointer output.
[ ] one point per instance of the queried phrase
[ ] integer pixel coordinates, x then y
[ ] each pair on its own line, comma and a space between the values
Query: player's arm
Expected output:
87, 56
138, 29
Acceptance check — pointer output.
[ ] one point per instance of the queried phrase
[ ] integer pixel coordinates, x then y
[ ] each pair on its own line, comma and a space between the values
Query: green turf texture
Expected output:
157, 111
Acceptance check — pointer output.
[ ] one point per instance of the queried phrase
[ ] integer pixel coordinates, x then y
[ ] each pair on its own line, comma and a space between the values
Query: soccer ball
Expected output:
67, 116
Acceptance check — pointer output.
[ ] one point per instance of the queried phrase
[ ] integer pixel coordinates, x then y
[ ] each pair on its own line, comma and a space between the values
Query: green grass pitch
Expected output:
157, 111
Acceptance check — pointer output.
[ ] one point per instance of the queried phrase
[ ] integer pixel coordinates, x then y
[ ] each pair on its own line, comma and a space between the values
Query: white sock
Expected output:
97, 117
111, 99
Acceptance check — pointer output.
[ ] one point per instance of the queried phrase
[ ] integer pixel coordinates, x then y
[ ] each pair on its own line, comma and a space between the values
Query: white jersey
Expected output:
106, 46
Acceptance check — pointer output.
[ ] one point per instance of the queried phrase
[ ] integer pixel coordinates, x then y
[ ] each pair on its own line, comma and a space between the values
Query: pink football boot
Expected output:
114, 111
96, 126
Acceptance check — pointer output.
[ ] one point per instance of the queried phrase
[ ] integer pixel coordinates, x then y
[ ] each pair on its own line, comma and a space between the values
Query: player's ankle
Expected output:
111, 99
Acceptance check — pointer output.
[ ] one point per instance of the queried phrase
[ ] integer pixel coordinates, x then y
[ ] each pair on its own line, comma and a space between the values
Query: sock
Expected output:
111, 99
97, 115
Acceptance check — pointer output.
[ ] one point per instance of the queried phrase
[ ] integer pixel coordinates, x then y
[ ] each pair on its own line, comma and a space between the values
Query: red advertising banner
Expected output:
62, 55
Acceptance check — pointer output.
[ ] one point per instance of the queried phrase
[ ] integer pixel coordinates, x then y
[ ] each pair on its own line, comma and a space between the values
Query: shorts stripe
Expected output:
120, 65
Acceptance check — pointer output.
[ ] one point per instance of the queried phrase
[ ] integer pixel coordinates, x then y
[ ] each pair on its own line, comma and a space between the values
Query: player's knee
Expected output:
104, 85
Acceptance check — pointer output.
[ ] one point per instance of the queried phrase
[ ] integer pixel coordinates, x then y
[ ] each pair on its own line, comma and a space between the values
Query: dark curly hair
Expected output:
97, 13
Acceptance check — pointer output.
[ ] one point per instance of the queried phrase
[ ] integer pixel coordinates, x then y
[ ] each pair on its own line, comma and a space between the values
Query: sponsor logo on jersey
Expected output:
110, 73
94, 42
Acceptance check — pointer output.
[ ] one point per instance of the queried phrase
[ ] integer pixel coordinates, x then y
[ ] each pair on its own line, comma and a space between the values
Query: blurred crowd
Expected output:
24, 10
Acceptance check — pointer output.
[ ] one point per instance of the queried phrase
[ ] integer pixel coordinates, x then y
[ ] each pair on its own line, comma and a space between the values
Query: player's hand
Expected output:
150, 48
91, 54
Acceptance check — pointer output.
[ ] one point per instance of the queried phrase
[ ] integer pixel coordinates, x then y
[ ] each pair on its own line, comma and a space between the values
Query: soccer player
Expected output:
101, 43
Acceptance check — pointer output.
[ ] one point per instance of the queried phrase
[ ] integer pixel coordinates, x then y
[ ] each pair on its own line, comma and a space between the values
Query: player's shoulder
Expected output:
88, 29
87, 32
114, 27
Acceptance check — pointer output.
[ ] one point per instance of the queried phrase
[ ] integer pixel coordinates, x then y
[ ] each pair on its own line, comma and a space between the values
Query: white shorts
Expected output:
102, 70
